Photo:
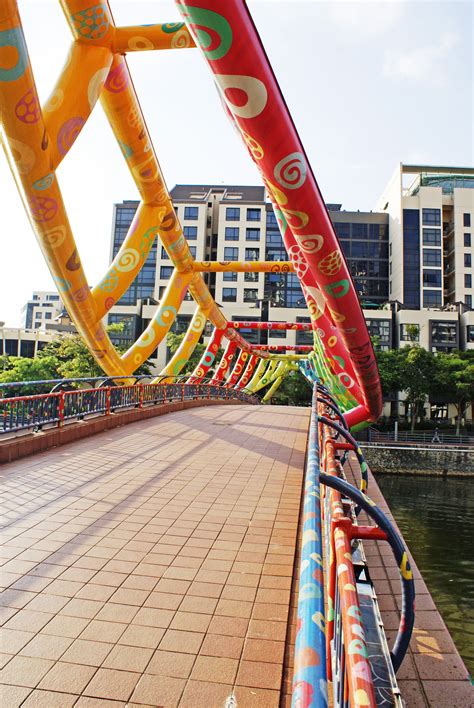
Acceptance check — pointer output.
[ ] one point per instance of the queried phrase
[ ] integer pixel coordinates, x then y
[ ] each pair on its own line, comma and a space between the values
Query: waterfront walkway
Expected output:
152, 565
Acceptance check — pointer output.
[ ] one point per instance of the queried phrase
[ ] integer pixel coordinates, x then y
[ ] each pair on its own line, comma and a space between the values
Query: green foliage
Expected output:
294, 391
18, 368
421, 373
66, 357
455, 380
173, 341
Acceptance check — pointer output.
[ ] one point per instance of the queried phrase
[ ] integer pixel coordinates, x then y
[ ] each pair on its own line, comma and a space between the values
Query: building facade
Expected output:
431, 224
42, 309
410, 259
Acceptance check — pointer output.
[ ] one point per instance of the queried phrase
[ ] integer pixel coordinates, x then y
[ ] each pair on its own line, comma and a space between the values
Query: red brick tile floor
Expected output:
433, 674
152, 564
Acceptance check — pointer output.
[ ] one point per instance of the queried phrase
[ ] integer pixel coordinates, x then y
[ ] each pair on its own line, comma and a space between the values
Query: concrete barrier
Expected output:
413, 460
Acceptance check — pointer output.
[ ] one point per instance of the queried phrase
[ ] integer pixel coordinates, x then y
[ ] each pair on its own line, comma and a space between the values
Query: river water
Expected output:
436, 517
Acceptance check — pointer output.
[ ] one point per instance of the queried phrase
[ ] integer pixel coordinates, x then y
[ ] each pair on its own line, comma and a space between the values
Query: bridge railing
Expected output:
340, 636
34, 412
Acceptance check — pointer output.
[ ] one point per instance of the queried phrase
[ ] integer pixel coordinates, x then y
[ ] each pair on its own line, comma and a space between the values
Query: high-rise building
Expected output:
417, 238
42, 309
431, 223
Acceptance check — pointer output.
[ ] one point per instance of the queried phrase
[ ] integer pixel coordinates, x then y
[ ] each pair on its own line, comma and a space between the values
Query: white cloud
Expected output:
421, 63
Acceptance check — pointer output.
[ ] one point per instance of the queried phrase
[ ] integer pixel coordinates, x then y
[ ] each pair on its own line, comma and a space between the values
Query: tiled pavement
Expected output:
152, 565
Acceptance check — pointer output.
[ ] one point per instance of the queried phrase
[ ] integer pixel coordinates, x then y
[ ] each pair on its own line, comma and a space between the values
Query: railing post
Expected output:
61, 409
140, 396
182, 392
107, 401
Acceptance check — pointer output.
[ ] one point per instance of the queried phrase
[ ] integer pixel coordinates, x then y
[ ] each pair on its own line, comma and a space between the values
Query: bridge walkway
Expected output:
152, 564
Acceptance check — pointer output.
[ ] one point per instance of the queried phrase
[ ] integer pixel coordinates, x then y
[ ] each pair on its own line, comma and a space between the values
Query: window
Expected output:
190, 232
164, 255
251, 277
190, 213
229, 276
252, 254
444, 332
342, 230
431, 278
302, 336
467, 240
250, 295
254, 214
252, 234
379, 328
432, 237
277, 334
231, 254
431, 257
468, 280
431, 217
467, 260
467, 219
411, 258
166, 272
409, 332
52, 297
470, 333
47, 315
37, 323
229, 294
431, 298
231, 233
468, 300
232, 214
193, 251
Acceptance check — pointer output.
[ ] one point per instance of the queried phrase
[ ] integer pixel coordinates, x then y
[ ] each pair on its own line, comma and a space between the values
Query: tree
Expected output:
293, 391
173, 341
417, 370
390, 370
454, 381
18, 368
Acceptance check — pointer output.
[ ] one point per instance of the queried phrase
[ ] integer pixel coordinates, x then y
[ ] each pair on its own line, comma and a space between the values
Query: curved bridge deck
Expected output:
152, 564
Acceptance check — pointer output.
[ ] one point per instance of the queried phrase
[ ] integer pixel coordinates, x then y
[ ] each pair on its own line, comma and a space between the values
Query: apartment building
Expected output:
431, 223
410, 260
42, 309
227, 223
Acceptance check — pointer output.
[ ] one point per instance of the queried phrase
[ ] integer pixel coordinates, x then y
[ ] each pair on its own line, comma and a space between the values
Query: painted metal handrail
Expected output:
330, 642
34, 412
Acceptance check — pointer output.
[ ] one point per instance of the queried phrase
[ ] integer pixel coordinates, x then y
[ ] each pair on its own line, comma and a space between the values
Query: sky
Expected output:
369, 85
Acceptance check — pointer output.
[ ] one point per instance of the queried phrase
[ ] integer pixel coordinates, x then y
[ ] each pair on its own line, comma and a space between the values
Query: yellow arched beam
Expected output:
171, 35
181, 356
259, 372
30, 154
243, 266
130, 258
269, 375
74, 96
273, 388
160, 324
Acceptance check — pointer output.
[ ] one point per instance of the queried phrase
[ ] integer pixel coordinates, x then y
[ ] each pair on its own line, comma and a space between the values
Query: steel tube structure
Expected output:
37, 138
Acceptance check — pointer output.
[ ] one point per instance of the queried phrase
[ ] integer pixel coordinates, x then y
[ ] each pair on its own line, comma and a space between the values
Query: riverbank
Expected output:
412, 460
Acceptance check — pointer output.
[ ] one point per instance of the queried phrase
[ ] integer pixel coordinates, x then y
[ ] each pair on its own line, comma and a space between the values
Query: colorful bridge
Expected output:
243, 521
